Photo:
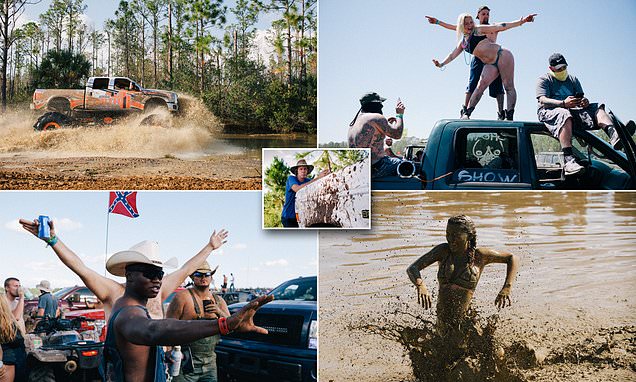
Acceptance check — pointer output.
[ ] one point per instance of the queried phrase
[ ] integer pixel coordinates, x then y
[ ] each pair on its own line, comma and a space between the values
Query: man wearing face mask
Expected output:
369, 128
560, 97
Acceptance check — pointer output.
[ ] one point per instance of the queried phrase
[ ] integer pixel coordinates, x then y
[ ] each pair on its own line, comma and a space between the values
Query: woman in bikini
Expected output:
460, 266
499, 61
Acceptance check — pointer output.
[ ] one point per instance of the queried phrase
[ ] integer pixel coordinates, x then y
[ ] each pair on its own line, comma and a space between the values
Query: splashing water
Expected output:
191, 130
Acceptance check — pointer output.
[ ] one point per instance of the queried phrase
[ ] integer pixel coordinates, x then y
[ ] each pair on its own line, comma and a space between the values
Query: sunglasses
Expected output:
148, 273
200, 274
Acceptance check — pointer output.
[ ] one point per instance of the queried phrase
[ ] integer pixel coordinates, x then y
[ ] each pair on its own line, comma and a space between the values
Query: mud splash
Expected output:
191, 130
481, 353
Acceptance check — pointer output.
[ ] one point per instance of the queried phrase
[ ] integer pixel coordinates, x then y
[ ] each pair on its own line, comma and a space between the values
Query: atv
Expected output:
64, 355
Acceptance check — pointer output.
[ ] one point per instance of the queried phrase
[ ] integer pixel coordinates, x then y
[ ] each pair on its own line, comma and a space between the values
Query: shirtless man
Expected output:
108, 290
133, 347
198, 303
369, 129
15, 297
476, 65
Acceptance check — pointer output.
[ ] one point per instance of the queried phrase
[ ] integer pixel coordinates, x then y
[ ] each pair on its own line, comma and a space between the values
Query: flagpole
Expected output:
106, 250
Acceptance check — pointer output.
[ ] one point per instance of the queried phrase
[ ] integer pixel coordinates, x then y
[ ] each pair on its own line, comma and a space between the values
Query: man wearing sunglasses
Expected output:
198, 303
561, 98
108, 290
132, 350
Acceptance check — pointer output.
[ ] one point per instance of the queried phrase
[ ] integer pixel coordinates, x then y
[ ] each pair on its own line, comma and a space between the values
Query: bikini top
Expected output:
470, 44
458, 271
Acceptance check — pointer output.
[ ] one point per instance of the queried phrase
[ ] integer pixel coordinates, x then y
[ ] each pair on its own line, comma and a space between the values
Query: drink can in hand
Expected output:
44, 231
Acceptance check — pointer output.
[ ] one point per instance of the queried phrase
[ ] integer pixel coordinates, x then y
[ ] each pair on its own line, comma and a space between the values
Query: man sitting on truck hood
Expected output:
561, 97
369, 128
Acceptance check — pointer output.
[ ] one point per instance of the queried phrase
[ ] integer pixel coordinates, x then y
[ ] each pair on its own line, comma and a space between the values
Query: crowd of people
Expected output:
138, 333
562, 105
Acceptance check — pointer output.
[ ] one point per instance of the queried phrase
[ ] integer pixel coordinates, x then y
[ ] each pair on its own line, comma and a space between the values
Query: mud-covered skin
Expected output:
461, 265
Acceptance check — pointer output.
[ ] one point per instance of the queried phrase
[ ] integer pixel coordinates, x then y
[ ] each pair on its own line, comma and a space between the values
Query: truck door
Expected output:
97, 96
483, 158
605, 167
122, 93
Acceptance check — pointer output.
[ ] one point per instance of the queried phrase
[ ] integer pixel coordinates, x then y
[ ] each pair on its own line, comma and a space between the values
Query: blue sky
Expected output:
387, 46
181, 222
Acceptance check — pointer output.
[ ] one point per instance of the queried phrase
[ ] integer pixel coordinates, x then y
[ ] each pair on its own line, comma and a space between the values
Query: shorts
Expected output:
16, 356
386, 166
476, 67
554, 119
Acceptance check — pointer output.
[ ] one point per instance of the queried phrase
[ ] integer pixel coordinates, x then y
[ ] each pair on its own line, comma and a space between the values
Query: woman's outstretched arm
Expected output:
442, 24
413, 271
512, 262
450, 57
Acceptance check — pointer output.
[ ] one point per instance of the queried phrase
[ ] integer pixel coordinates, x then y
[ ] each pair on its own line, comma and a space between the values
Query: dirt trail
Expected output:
101, 173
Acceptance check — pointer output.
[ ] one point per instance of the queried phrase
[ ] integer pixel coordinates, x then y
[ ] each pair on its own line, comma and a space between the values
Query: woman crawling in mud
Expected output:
460, 266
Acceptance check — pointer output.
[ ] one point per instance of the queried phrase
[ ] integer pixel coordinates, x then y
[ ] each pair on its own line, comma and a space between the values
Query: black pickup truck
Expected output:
503, 155
289, 352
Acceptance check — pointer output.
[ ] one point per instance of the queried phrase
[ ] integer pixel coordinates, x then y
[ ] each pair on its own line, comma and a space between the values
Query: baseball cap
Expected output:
371, 97
557, 61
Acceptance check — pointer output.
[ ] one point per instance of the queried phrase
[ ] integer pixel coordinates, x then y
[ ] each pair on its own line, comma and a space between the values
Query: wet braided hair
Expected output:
466, 225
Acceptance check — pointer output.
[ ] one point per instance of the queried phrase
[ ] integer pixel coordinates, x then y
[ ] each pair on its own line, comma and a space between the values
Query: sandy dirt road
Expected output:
20, 172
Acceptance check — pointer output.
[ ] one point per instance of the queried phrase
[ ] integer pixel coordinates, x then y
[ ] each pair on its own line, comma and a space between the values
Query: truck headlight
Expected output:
313, 334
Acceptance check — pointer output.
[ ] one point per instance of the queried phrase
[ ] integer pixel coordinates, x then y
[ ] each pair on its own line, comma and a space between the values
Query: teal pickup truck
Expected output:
507, 155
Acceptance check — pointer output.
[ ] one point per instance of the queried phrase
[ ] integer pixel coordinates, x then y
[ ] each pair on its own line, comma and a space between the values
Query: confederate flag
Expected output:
123, 203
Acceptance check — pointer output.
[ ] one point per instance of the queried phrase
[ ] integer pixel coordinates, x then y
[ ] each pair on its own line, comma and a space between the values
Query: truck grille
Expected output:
283, 330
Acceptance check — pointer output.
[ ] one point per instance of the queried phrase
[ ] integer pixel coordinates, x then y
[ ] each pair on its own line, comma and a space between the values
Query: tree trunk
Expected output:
170, 55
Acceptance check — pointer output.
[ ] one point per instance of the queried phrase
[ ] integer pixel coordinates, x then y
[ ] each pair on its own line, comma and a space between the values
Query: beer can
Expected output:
44, 231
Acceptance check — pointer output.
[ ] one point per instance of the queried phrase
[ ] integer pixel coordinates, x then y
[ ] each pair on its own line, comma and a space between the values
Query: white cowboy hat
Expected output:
146, 252
44, 285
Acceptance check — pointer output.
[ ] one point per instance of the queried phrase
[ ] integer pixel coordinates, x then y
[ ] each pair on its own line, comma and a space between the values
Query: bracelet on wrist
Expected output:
399, 116
52, 241
436, 22
224, 328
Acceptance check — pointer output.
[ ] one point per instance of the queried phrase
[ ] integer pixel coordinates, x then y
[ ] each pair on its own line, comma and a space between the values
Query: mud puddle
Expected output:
482, 353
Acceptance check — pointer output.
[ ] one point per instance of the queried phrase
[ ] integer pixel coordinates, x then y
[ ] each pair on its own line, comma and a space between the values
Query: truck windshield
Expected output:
298, 290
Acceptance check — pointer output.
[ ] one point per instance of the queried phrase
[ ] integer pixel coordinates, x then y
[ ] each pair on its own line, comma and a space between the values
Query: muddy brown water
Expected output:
194, 133
572, 304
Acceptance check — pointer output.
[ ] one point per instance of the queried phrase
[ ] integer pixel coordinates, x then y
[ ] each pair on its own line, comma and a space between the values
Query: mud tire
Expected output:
153, 105
155, 120
60, 105
52, 121
42, 373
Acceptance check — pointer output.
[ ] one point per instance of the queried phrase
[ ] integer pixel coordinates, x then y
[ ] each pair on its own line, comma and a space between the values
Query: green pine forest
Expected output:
205, 48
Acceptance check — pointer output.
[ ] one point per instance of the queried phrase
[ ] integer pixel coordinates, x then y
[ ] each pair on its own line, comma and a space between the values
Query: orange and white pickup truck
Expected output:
102, 100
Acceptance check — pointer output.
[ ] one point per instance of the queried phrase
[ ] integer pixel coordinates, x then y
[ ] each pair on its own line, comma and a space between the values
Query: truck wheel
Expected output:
154, 105
60, 105
51, 121
156, 120
42, 373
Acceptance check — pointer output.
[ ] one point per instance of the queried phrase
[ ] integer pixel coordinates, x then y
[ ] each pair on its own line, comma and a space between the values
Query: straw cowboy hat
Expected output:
44, 285
146, 252
301, 163
205, 267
